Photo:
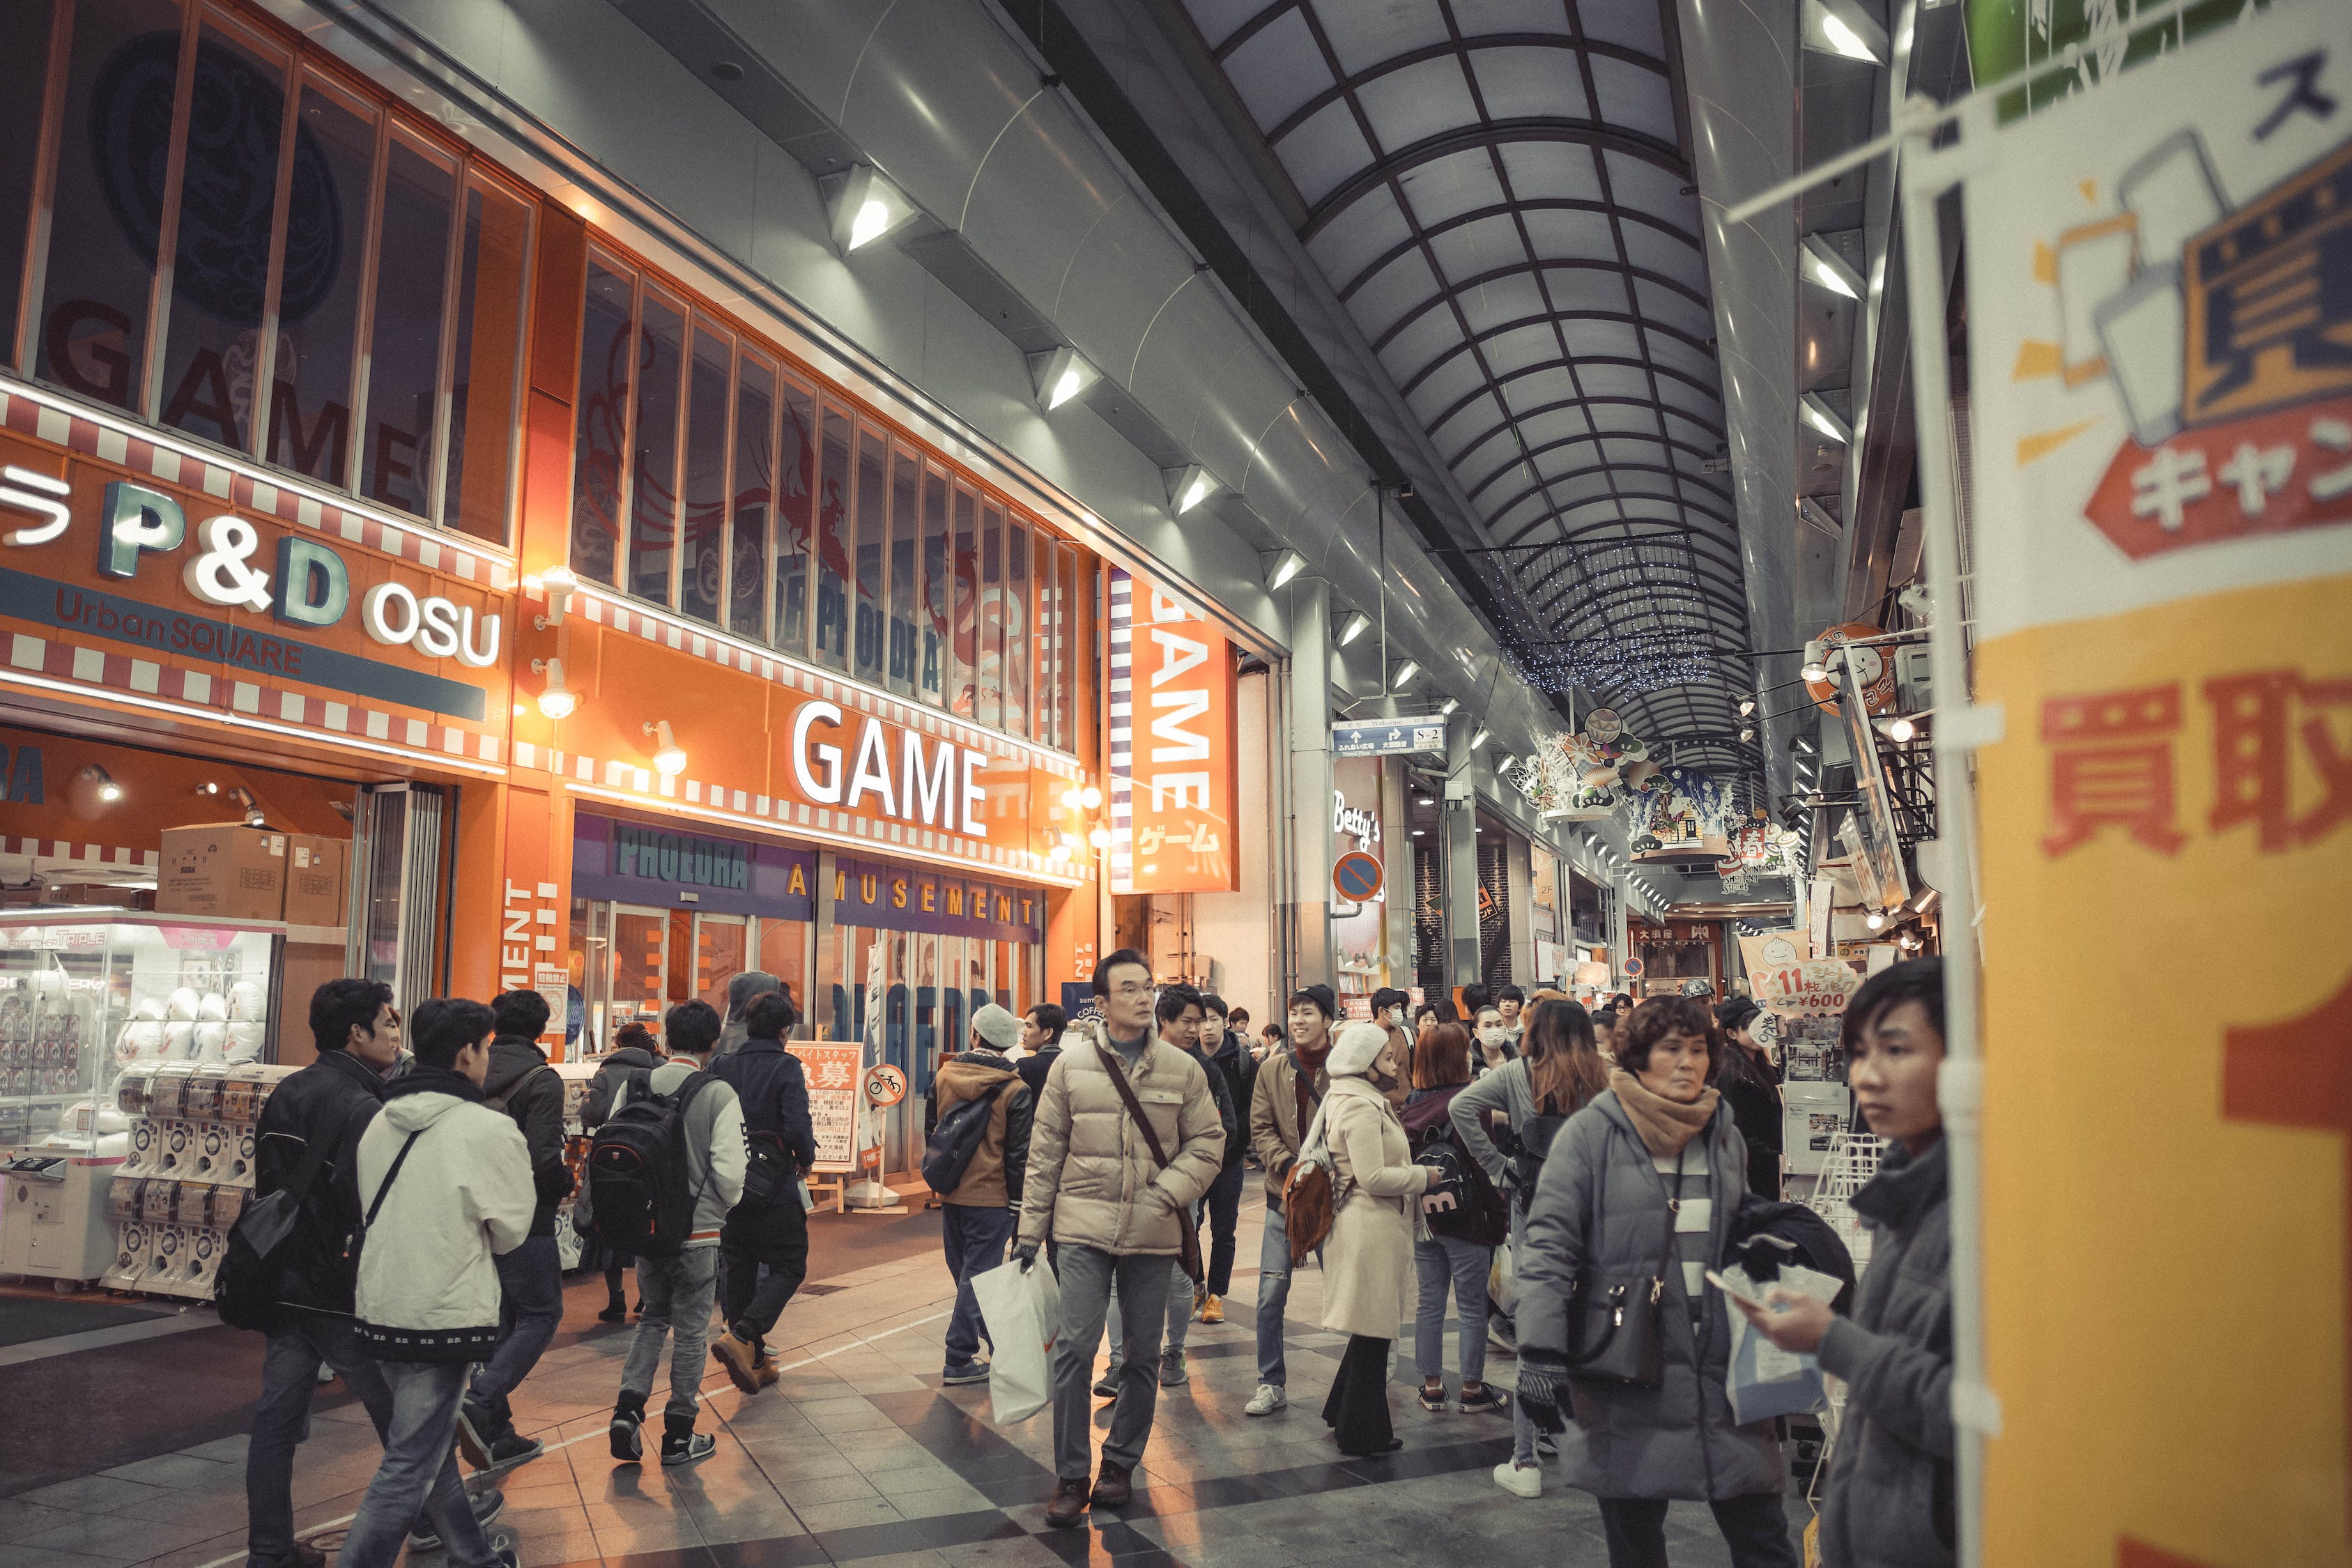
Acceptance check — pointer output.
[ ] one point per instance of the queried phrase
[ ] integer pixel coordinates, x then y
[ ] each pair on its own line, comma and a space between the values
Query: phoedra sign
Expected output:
309, 586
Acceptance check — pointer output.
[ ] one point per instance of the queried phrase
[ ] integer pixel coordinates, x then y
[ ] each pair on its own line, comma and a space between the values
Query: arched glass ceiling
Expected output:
1496, 192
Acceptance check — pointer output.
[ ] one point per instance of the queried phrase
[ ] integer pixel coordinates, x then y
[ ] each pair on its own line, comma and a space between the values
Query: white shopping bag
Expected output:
1503, 1282
1763, 1380
1022, 1309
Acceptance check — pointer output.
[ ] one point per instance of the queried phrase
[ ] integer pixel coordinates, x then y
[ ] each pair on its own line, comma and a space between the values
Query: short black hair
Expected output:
444, 1026
1606, 1017
1390, 997
1238, 1018
1212, 1002
521, 1013
635, 1035
1920, 980
342, 1005
1320, 997
1174, 1000
692, 1027
771, 1016
1661, 1015
1101, 985
1511, 994
1474, 998
1051, 1019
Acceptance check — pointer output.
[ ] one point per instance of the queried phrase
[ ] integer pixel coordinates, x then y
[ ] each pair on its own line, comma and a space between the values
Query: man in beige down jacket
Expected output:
1115, 1217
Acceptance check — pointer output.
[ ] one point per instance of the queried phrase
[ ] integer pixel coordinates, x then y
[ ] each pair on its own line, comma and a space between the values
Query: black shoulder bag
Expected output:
246, 1287
1614, 1334
1188, 1230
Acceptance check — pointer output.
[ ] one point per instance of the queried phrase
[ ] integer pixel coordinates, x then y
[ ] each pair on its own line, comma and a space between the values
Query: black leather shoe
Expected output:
1069, 1502
1114, 1487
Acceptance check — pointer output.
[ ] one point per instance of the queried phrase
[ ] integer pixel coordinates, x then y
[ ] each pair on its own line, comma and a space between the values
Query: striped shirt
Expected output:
1693, 1217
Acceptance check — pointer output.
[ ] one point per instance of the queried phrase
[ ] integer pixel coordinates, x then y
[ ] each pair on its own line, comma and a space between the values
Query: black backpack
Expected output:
640, 1197
948, 1155
267, 1234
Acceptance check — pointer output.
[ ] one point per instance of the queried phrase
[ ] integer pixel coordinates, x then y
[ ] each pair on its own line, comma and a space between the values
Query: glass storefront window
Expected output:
795, 517
703, 492
833, 542
220, 270
403, 388
988, 706
1016, 628
965, 690
24, 65
938, 655
906, 531
753, 492
654, 447
106, 212
639, 988
600, 436
310, 418
873, 539
493, 257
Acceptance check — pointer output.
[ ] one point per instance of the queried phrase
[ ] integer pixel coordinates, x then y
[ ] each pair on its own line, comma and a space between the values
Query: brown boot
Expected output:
735, 1352
1213, 1310
1069, 1502
764, 1369
1112, 1488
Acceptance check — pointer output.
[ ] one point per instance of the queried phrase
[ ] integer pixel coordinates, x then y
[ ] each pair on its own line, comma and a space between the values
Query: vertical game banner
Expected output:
2161, 315
1171, 745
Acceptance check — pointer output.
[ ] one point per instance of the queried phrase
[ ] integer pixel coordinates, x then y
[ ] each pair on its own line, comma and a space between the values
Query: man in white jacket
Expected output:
445, 1187
678, 1291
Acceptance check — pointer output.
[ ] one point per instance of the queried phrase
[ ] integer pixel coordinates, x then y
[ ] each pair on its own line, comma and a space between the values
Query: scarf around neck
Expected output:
1666, 1125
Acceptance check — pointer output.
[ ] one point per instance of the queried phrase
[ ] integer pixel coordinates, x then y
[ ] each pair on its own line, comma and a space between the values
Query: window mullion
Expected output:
45, 187
444, 384
364, 349
265, 366
167, 239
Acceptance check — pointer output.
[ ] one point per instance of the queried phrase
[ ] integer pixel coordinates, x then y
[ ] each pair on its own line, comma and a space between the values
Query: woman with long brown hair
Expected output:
1459, 1251
1557, 1073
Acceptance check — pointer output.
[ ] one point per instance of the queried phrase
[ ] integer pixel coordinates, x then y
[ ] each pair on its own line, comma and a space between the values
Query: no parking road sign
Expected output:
1356, 877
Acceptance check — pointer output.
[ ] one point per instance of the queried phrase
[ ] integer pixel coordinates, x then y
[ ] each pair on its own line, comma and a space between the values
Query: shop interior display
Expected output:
570, 1244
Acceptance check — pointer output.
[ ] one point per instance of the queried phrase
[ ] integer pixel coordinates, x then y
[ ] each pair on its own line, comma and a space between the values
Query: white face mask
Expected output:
1494, 1034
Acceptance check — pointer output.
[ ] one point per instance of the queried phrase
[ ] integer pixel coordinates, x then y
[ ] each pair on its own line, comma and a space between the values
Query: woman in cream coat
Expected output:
1367, 1268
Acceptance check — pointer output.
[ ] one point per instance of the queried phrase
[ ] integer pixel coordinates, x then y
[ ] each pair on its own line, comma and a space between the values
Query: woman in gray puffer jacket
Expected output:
1652, 1169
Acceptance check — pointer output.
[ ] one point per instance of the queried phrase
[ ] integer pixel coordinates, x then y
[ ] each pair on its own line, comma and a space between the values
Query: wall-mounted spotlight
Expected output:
1059, 374
108, 792
1355, 625
1098, 837
1747, 732
1286, 565
1478, 737
560, 585
864, 206
1747, 706
1446, 710
250, 807
1902, 729
1825, 419
1188, 486
1874, 921
1820, 263
1061, 855
1404, 674
669, 757
556, 701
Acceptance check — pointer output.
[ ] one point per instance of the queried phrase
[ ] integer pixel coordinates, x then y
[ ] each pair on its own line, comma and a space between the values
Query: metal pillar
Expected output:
1459, 823
1308, 716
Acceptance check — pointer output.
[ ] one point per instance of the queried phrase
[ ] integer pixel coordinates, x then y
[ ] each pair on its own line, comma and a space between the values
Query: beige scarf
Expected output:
1666, 1125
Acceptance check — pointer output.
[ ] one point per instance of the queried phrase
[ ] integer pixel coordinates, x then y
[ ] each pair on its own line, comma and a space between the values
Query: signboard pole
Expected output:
1926, 175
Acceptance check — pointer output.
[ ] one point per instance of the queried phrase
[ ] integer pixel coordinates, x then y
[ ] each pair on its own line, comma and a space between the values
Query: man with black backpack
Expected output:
305, 1146
976, 1159
763, 1250
530, 1278
682, 1132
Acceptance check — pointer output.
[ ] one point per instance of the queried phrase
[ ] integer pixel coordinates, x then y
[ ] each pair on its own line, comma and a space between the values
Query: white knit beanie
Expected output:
1358, 1045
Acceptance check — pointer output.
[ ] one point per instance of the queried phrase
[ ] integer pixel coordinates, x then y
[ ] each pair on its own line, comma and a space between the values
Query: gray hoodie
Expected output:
742, 992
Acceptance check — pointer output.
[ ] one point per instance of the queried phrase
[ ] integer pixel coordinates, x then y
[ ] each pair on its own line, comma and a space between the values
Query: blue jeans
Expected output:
679, 1291
531, 1308
290, 1372
1443, 1261
973, 1237
1273, 1296
419, 1474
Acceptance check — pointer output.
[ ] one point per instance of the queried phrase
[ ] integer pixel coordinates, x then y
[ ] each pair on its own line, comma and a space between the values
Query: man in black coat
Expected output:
1224, 1056
318, 1114
1042, 1029
763, 1250
530, 1278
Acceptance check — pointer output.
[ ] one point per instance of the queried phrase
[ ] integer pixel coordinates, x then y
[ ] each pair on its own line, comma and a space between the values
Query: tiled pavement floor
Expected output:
860, 1458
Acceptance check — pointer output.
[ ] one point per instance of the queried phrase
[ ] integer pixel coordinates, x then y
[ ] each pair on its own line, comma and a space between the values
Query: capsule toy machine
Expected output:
191, 1130
572, 1245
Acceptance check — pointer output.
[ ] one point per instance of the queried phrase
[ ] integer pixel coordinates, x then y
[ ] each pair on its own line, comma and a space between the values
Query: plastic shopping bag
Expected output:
1503, 1280
1022, 1310
1764, 1380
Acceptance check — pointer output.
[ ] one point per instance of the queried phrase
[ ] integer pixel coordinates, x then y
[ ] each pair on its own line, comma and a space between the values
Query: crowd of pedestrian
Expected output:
1607, 1161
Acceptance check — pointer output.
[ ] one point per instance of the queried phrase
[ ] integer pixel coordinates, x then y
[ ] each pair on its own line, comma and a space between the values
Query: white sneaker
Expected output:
1519, 1480
1270, 1398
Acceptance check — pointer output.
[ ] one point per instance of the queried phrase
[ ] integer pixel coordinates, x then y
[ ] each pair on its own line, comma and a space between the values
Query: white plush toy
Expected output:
213, 1007
212, 1040
247, 1001
179, 1041
147, 1007
244, 1041
182, 1008
146, 1036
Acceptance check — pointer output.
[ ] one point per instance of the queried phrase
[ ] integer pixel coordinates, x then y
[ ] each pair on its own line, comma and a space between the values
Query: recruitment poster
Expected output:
2161, 321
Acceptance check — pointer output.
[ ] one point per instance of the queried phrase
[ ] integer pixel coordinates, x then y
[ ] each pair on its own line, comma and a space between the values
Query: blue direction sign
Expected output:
1389, 738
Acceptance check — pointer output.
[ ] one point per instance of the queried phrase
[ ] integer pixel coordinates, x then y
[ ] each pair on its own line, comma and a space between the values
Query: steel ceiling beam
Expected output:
1594, 134
1532, 205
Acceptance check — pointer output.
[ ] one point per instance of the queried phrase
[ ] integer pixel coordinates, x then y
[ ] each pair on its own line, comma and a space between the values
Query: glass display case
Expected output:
85, 992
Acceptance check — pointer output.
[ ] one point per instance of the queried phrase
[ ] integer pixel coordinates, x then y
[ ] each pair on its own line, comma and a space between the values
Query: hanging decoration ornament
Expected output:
1872, 671
1589, 775
1683, 811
